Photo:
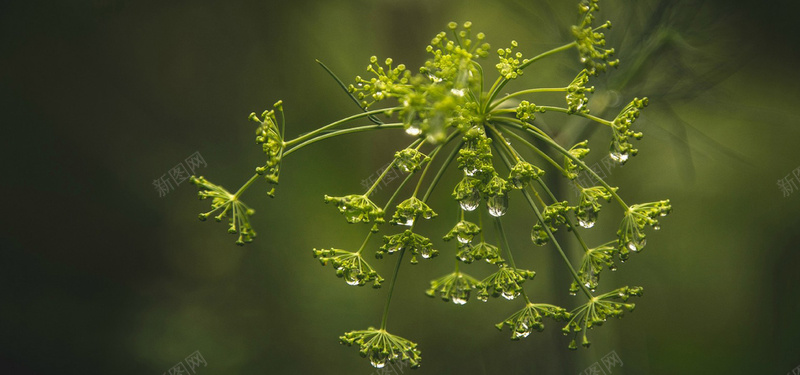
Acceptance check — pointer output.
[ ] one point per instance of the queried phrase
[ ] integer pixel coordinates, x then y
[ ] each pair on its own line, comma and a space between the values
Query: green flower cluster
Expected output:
382, 347
349, 266
271, 140
447, 110
228, 205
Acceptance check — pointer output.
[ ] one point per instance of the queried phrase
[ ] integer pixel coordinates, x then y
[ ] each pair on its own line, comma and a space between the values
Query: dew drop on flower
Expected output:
413, 130
497, 204
426, 252
509, 295
378, 359
471, 202
351, 277
409, 221
463, 238
619, 157
458, 92
636, 246
656, 227
458, 299
470, 171
585, 223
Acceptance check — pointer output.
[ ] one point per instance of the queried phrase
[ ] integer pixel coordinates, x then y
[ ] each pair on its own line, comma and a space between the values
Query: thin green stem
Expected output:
430, 162
364, 244
577, 161
501, 81
510, 149
531, 146
572, 227
499, 226
546, 228
441, 171
391, 289
342, 132
524, 92
581, 114
558, 246
339, 122
379, 179
245, 186
417, 143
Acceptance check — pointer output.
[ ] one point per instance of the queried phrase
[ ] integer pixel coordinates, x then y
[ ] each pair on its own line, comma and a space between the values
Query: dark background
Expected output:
98, 274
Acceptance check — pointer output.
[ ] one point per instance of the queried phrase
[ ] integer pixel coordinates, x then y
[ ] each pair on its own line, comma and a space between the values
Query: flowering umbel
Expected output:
499, 147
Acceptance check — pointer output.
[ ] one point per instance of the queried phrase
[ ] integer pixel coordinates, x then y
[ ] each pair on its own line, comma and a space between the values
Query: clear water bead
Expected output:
497, 205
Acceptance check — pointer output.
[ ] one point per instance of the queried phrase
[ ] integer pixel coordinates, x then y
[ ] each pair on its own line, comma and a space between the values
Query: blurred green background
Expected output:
98, 274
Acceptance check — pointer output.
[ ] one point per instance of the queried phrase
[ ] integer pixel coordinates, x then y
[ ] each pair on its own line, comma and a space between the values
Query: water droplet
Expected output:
619, 157
509, 295
426, 252
482, 297
583, 59
351, 276
471, 202
413, 130
470, 171
572, 293
434, 78
378, 359
636, 246
656, 227
587, 217
463, 238
409, 221
613, 268
497, 204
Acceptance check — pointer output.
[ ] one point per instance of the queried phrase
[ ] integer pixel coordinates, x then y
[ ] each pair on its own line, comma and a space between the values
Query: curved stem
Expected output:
571, 227
547, 229
523, 92
391, 290
499, 226
577, 161
245, 186
532, 147
342, 132
581, 114
417, 142
501, 81
558, 246
339, 122
430, 162
441, 172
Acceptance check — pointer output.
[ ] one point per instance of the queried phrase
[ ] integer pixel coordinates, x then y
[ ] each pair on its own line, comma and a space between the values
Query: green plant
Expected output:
446, 110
